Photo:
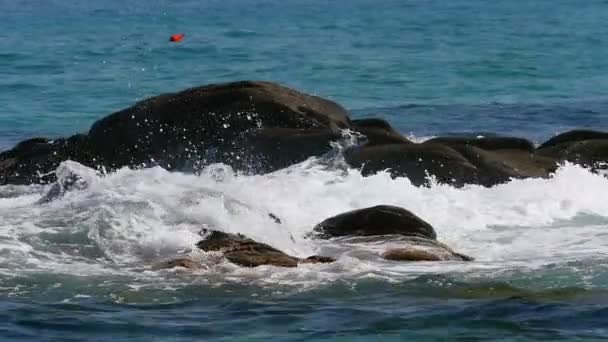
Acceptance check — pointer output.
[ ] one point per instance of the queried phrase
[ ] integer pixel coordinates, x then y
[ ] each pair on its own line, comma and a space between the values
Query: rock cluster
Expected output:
260, 127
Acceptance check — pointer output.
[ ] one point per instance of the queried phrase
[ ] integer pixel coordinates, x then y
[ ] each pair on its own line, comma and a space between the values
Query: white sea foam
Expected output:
125, 221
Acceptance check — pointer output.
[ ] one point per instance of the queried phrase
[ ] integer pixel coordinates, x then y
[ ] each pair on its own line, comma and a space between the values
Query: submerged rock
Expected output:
246, 252
378, 132
420, 249
378, 220
260, 127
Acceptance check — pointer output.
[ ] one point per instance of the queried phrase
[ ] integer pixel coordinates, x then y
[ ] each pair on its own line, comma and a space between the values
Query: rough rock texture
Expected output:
246, 252
378, 220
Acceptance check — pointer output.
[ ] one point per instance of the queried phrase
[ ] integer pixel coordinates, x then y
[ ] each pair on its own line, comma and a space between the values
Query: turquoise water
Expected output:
75, 269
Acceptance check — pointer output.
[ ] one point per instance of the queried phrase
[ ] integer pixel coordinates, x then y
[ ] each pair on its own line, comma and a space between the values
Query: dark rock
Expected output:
421, 249
378, 132
489, 143
205, 121
184, 262
500, 166
271, 149
416, 162
588, 153
574, 136
246, 252
316, 259
35, 160
378, 220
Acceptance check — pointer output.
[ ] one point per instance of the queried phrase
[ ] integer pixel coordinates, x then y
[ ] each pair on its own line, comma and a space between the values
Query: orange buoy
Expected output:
176, 38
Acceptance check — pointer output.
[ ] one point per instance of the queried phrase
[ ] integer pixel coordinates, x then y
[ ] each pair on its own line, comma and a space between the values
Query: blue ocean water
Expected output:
73, 270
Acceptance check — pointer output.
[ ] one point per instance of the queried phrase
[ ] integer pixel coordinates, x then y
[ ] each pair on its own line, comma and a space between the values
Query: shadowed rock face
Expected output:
416, 162
378, 220
246, 252
271, 149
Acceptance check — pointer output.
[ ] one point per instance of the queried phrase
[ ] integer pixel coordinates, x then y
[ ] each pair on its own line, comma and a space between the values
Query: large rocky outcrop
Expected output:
251, 125
260, 127
206, 122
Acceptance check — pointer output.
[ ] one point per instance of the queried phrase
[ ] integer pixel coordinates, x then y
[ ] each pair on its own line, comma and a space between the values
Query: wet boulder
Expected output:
377, 220
416, 162
378, 132
246, 252
205, 122
574, 136
588, 153
34, 161
500, 166
271, 149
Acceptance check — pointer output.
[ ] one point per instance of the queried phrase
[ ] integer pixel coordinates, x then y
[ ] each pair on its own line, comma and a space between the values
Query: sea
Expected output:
79, 268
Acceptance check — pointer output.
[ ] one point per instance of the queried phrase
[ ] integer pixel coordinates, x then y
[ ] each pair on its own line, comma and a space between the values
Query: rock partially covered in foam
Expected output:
34, 161
377, 220
70, 176
209, 122
574, 136
420, 249
250, 125
583, 147
246, 252
416, 162
410, 238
